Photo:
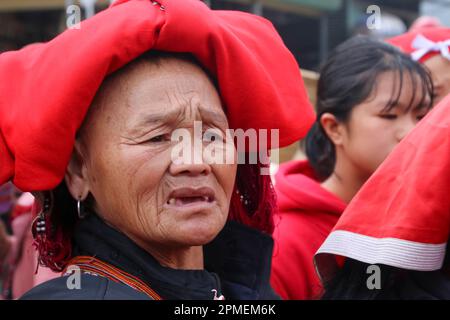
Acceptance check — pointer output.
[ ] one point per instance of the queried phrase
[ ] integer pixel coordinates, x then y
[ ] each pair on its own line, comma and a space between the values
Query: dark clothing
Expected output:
351, 283
92, 288
240, 256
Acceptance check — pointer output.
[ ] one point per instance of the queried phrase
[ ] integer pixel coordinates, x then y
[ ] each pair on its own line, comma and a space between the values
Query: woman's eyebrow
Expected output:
213, 116
149, 120
154, 119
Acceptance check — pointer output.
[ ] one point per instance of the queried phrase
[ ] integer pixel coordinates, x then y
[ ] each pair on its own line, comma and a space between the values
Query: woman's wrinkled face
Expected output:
128, 161
372, 132
440, 72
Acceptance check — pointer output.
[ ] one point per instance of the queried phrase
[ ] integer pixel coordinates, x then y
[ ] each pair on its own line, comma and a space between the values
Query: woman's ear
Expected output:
332, 127
76, 174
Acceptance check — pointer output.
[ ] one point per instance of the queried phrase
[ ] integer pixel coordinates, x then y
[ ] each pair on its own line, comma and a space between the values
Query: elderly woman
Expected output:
87, 123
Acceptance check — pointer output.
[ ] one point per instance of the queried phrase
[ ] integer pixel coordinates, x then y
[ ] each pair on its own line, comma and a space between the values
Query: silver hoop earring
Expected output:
82, 213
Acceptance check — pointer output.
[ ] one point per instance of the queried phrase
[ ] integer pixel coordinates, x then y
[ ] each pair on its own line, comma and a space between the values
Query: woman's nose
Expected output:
190, 167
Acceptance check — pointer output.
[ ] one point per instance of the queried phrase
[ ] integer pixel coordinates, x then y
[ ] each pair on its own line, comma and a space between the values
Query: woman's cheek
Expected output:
147, 181
226, 175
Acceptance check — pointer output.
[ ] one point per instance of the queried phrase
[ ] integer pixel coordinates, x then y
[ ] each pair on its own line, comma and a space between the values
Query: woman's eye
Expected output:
159, 138
211, 136
388, 116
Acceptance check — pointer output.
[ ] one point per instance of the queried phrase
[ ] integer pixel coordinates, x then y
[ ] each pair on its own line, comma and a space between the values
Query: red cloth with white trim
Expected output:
401, 216
430, 40
47, 88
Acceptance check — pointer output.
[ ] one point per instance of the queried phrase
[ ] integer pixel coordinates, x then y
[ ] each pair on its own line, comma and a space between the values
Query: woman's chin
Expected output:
200, 234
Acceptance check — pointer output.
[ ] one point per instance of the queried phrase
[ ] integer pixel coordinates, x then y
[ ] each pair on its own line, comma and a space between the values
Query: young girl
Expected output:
399, 220
370, 95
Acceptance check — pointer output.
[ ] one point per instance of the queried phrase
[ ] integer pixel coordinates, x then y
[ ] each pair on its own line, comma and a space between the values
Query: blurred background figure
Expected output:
24, 259
18, 257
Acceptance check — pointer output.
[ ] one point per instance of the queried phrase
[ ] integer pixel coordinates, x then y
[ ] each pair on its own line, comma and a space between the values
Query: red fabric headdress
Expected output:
401, 216
46, 89
424, 43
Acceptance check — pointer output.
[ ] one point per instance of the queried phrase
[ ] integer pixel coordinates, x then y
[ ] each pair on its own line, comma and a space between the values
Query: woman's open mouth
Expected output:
191, 197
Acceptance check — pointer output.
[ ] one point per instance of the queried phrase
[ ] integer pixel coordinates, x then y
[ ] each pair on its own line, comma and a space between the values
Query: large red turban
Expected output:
46, 89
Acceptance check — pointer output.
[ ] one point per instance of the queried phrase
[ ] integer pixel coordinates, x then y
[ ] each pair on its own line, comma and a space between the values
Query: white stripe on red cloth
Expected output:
393, 252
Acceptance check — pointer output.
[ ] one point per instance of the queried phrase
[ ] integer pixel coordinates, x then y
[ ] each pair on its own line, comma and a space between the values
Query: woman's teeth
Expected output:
185, 200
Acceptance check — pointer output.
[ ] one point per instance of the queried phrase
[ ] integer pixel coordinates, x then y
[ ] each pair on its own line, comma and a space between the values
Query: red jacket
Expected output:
307, 214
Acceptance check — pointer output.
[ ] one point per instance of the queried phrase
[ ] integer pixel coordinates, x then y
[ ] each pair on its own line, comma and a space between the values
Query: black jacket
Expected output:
237, 265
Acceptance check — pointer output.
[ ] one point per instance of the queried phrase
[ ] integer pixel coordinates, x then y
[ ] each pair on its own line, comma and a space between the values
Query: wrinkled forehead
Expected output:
154, 88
